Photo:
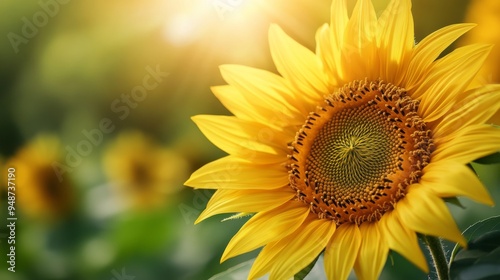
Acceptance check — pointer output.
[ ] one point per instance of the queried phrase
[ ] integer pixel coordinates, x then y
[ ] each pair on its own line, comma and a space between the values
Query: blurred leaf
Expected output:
454, 201
315, 271
141, 232
491, 159
237, 272
303, 273
481, 260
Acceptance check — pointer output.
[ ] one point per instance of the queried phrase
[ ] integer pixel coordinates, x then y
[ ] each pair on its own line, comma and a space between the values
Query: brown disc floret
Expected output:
355, 156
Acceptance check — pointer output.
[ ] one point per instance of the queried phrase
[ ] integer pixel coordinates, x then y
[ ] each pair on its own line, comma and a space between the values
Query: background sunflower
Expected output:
86, 71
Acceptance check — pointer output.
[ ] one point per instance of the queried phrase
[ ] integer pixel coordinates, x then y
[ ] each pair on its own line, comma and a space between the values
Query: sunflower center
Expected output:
355, 156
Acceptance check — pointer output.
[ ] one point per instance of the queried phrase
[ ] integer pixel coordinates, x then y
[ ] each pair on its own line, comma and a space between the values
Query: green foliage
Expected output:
481, 258
490, 159
141, 233
454, 201
242, 270
236, 272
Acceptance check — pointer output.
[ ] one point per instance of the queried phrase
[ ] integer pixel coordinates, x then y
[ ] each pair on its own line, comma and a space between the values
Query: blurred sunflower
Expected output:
39, 192
143, 172
353, 148
486, 13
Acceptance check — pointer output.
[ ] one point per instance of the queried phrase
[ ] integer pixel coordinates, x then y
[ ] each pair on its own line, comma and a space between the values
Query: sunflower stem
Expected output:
435, 247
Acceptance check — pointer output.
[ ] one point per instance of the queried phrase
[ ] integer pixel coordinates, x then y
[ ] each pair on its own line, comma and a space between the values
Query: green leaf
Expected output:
481, 259
482, 227
303, 273
486, 241
490, 159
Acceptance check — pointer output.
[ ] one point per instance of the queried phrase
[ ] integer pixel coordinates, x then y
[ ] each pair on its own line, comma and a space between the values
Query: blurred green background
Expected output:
95, 106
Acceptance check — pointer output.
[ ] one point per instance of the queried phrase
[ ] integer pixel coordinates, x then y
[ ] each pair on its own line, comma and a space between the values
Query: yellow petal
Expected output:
402, 240
266, 227
359, 46
468, 144
495, 119
449, 179
265, 91
396, 40
297, 64
337, 28
328, 56
235, 173
448, 79
429, 49
342, 251
232, 201
236, 102
243, 138
362, 24
478, 107
267, 257
338, 23
424, 212
372, 252
310, 239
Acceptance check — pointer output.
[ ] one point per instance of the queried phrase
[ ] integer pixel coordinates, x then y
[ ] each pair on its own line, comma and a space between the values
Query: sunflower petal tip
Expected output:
467, 26
425, 268
274, 32
274, 26
196, 118
225, 68
422, 265
460, 240
201, 119
487, 199
189, 182
226, 255
215, 89
463, 242
200, 218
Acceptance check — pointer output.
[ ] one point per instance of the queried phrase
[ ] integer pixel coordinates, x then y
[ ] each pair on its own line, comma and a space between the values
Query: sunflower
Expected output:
144, 173
39, 192
485, 14
352, 149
